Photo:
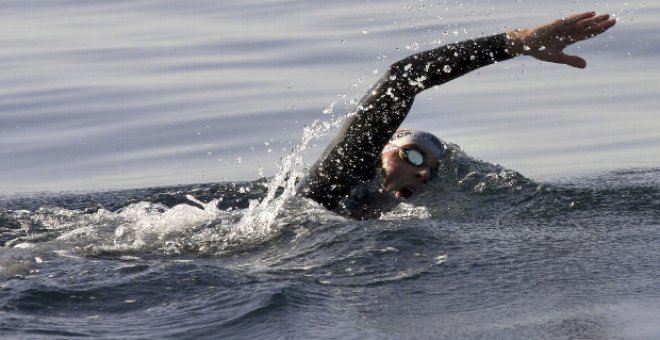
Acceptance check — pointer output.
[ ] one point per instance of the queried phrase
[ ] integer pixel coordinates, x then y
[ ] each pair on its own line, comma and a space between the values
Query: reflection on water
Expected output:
146, 93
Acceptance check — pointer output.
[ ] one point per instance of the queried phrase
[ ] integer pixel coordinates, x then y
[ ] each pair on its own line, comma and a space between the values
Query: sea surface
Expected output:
133, 94
148, 152
485, 253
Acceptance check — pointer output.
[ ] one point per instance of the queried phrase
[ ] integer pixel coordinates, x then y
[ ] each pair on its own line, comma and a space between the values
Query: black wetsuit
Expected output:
353, 157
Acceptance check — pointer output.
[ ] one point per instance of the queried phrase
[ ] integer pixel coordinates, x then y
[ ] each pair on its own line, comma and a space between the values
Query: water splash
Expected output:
209, 225
261, 218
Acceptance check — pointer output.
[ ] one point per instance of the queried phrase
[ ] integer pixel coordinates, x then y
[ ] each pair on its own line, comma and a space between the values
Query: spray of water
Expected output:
260, 220
194, 227
205, 229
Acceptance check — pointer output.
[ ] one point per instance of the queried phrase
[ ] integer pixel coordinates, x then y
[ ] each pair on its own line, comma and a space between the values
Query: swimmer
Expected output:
371, 164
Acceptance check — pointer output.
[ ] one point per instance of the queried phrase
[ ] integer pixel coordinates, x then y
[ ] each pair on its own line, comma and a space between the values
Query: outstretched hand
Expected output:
547, 42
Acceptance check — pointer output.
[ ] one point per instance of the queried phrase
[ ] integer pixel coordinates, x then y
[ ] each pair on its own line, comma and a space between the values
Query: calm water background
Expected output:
97, 95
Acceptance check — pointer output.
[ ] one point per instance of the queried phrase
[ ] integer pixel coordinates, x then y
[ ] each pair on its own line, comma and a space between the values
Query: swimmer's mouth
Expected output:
406, 192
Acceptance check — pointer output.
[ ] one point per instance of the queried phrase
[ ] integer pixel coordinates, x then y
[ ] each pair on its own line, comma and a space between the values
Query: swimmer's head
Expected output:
410, 160
428, 141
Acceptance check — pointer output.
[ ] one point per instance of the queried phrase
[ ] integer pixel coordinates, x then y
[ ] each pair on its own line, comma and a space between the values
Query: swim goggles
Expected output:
416, 158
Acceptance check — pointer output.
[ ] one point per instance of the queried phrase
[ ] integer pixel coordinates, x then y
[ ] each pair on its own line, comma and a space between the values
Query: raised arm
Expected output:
354, 155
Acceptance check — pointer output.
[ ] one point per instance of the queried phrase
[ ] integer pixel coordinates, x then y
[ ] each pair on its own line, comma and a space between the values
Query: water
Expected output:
143, 97
154, 93
485, 253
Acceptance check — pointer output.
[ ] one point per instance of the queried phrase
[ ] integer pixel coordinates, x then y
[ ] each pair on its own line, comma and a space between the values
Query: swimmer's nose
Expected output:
424, 174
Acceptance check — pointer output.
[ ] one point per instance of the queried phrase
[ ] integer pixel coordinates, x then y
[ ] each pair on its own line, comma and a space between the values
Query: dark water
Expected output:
484, 254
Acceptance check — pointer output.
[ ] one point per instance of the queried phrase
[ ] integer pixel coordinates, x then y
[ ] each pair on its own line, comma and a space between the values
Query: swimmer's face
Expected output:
404, 179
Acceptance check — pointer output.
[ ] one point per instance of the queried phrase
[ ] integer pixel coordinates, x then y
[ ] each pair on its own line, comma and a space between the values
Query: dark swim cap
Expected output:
405, 137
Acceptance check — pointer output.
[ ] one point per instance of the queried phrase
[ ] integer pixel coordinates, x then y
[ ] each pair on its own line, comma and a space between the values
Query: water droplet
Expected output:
414, 46
446, 69
441, 259
526, 48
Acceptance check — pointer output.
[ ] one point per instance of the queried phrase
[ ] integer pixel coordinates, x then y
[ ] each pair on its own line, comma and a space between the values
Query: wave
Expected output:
218, 259
217, 219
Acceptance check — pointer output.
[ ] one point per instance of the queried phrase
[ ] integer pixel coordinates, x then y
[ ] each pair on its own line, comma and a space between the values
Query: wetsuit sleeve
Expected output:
353, 156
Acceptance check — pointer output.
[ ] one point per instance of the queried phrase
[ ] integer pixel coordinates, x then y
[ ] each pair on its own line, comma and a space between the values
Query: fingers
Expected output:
586, 25
603, 24
572, 60
596, 25
581, 26
587, 22
574, 28
547, 42
578, 17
